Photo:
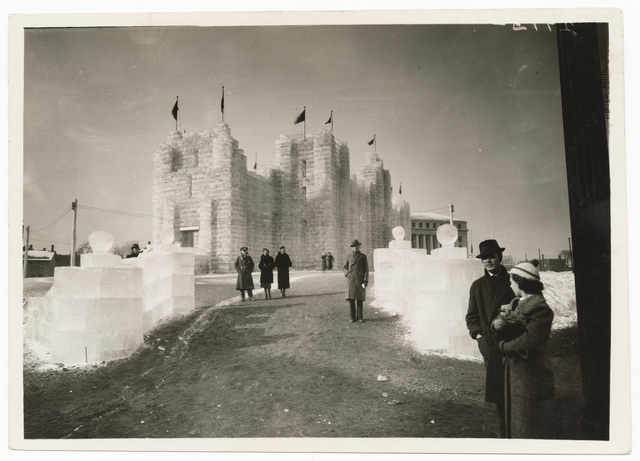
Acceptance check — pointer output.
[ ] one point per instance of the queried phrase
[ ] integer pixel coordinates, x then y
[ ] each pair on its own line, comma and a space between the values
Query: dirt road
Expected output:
286, 367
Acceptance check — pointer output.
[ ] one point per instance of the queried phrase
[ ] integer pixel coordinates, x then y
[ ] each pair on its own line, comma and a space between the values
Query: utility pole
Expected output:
26, 255
74, 207
450, 213
539, 257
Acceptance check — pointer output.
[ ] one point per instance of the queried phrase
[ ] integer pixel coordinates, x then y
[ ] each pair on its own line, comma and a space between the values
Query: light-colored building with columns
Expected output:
424, 226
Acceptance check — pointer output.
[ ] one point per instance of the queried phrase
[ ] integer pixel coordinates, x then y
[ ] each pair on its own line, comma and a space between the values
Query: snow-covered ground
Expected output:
560, 293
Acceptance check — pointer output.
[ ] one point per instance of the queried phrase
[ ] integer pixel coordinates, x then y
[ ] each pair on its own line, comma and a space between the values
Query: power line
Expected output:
124, 213
64, 213
48, 240
42, 236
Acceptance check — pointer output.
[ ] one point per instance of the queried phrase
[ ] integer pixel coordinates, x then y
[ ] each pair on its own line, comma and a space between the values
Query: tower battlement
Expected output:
308, 201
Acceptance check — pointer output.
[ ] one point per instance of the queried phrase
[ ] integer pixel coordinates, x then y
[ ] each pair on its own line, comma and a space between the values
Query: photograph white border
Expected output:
620, 385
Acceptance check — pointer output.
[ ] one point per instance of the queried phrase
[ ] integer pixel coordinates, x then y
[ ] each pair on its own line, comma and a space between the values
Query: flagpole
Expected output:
331, 121
305, 122
222, 104
375, 144
178, 111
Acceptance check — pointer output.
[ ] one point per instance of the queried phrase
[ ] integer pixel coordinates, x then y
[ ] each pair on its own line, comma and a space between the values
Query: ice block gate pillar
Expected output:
431, 292
92, 312
390, 266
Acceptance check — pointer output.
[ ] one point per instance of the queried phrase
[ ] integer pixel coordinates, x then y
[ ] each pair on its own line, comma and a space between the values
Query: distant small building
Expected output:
42, 263
424, 226
556, 265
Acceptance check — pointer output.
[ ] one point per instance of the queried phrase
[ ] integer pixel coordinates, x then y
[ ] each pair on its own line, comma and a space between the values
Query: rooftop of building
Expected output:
41, 255
430, 216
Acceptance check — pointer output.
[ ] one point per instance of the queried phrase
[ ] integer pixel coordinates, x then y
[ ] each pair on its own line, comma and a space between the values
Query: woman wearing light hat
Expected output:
523, 328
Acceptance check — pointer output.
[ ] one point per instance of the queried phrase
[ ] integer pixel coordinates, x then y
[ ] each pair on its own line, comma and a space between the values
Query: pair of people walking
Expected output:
244, 266
326, 261
509, 318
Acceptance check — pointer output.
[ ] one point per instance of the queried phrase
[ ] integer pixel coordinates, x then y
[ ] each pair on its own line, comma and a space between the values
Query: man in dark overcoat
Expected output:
244, 266
356, 269
486, 296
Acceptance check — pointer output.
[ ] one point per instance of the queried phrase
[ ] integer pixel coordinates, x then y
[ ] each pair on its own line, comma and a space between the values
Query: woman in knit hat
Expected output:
523, 329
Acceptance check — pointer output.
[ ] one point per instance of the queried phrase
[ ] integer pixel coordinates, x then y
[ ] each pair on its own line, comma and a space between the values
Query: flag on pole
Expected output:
255, 165
330, 119
222, 101
372, 141
400, 190
174, 111
301, 117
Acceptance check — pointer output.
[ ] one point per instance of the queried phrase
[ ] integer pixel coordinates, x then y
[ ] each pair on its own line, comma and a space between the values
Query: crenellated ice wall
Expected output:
205, 190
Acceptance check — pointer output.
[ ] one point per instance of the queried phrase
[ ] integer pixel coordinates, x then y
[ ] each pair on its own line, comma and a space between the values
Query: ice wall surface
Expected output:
168, 280
431, 292
91, 314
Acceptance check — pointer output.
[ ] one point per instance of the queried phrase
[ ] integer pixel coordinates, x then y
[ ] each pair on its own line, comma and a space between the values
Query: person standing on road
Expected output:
283, 263
323, 258
329, 261
356, 270
486, 296
266, 266
523, 329
244, 267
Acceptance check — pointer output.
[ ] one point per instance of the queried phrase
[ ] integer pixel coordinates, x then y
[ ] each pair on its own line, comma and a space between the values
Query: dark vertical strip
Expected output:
586, 148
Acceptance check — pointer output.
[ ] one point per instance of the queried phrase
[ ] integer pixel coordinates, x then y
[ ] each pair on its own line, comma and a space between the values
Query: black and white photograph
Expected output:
339, 232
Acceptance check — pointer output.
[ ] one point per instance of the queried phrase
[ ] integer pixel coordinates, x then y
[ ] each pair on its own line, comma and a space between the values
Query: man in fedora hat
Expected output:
135, 250
244, 267
486, 295
356, 269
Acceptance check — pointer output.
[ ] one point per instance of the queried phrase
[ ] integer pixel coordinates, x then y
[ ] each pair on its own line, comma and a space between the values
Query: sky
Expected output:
467, 114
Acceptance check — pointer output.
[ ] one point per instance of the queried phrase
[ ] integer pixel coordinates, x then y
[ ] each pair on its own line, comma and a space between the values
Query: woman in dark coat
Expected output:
244, 267
323, 257
525, 326
266, 266
283, 263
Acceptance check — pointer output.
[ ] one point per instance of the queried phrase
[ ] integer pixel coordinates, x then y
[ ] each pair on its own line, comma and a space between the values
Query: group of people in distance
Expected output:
509, 318
356, 270
244, 266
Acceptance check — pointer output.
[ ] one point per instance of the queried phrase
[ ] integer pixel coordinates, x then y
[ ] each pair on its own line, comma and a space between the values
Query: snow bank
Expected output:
560, 293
